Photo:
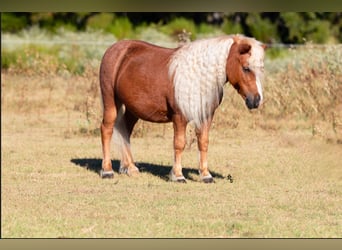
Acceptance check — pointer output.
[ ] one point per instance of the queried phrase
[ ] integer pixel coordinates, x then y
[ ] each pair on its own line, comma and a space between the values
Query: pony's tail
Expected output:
121, 138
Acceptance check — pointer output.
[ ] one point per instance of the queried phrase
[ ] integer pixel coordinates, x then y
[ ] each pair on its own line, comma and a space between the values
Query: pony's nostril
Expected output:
249, 102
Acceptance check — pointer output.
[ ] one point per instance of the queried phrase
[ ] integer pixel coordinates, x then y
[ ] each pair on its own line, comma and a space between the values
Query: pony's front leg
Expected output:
203, 143
179, 126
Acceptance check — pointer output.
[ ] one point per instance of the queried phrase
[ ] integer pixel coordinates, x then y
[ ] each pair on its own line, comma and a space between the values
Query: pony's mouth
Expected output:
252, 102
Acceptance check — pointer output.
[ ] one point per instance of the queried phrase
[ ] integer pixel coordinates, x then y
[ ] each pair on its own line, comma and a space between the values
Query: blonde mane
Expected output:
198, 71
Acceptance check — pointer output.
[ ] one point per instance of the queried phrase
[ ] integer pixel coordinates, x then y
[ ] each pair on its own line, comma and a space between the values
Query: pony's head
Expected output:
245, 65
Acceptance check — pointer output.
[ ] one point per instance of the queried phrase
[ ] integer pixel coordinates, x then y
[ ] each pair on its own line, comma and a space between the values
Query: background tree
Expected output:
270, 27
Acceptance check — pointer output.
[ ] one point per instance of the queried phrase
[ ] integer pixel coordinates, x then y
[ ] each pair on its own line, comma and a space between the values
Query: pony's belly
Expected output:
150, 112
148, 102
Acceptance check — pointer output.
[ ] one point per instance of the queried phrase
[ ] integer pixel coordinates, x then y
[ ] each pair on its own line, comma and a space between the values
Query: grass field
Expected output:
284, 159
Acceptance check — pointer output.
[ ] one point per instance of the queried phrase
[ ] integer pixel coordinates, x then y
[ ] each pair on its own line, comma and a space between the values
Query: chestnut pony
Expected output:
143, 81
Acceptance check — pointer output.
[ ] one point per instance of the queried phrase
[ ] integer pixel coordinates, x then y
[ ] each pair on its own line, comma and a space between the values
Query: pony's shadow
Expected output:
161, 171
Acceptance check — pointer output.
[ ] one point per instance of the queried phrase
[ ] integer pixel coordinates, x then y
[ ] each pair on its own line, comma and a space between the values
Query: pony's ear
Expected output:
244, 48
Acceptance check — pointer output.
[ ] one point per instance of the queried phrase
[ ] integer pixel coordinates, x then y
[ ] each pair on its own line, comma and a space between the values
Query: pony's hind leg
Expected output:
109, 116
124, 127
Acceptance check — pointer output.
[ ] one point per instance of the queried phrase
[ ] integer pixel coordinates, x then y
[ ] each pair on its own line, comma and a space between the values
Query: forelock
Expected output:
256, 60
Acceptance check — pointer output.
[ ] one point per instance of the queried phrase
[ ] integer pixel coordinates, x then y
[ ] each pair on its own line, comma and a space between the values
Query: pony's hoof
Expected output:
107, 174
181, 181
131, 171
174, 178
208, 180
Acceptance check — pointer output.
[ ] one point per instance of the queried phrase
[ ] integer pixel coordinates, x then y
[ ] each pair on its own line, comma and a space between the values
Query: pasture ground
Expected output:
287, 181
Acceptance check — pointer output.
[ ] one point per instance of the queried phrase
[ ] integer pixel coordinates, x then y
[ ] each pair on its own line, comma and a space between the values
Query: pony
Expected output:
139, 80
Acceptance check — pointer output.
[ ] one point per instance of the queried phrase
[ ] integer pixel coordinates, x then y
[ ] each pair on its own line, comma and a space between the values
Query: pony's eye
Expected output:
246, 69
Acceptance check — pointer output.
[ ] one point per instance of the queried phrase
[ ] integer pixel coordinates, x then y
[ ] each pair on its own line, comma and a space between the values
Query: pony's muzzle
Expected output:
253, 101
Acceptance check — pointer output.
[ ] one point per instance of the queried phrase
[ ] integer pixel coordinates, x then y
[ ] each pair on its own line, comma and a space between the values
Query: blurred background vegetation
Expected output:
303, 72
269, 27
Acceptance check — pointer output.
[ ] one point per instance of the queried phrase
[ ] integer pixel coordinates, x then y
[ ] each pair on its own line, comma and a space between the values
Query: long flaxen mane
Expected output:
198, 72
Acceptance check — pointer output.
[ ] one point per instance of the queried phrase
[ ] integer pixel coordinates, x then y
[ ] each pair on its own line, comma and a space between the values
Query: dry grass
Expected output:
285, 161
284, 185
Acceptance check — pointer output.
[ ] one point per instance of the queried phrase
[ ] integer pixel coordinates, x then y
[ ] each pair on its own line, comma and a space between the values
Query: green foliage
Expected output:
292, 19
8, 59
121, 28
262, 29
46, 20
229, 27
304, 27
54, 21
31, 59
11, 22
101, 21
287, 27
318, 31
178, 25
35, 59
273, 53
204, 28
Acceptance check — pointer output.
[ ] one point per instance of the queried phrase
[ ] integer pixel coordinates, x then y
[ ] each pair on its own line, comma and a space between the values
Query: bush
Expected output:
230, 27
291, 21
204, 28
8, 59
276, 52
101, 21
11, 23
318, 31
177, 26
30, 59
304, 27
262, 29
121, 28
52, 22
